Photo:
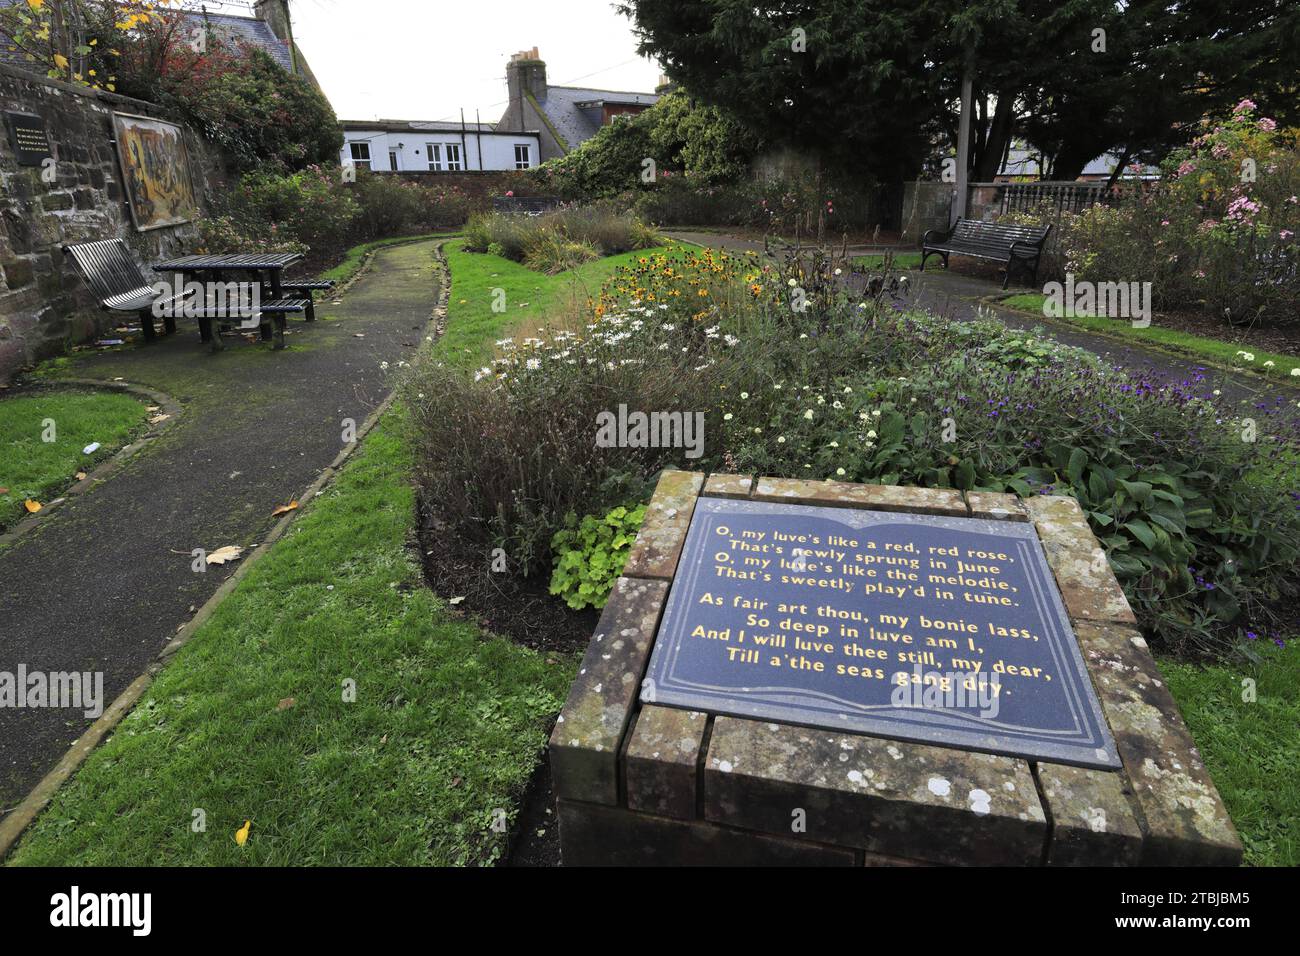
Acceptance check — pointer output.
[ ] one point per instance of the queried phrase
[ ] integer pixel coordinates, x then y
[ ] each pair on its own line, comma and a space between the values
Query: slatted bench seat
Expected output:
305, 289
116, 281
269, 318
1000, 242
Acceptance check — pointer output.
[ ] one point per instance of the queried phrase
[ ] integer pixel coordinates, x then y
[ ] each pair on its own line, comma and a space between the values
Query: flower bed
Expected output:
558, 241
792, 376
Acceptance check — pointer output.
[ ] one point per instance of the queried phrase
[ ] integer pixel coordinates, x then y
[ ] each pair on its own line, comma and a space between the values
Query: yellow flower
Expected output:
36, 4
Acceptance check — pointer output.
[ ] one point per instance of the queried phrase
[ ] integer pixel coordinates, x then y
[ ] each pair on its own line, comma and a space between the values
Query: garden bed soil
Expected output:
518, 608
1265, 336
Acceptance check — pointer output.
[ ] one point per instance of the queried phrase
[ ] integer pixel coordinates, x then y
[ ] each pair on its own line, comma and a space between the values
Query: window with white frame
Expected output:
360, 154
435, 155
523, 156
453, 156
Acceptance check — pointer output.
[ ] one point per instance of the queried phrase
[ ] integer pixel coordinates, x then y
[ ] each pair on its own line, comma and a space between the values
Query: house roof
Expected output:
246, 29
427, 126
564, 106
253, 32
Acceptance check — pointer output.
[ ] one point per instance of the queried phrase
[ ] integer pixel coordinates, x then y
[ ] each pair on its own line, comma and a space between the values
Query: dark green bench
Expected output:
988, 240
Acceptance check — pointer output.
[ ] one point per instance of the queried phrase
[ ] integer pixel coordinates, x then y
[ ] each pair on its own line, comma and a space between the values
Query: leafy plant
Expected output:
590, 555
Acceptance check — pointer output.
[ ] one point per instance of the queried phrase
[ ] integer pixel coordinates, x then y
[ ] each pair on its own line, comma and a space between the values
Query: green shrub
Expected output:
388, 206
509, 452
552, 252
1219, 231
558, 240
222, 234
310, 206
1200, 526
589, 556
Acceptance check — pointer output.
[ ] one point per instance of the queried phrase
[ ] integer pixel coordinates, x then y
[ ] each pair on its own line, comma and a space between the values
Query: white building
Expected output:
413, 145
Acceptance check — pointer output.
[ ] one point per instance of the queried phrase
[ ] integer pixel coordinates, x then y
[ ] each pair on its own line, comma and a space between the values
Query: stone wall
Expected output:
926, 206
44, 305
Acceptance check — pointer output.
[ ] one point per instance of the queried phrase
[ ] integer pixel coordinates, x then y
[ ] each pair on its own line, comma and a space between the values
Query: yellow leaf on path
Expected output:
32, 506
80, 476
222, 555
284, 509
157, 419
241, 835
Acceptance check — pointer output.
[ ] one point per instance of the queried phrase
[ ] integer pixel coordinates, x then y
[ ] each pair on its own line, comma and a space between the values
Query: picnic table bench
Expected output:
117, 282
988, 240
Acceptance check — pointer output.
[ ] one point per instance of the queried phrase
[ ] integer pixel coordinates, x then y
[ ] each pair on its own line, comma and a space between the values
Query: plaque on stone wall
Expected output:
28, 138
933, 629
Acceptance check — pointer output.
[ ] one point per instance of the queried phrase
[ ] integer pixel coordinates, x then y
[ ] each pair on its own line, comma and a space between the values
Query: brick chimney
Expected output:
526, 73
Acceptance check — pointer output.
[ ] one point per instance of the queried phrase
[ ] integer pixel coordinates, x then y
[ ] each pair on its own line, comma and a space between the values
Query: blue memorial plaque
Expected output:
938, 630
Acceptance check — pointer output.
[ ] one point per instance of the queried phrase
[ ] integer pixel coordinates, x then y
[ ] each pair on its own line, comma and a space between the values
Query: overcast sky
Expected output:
425, 59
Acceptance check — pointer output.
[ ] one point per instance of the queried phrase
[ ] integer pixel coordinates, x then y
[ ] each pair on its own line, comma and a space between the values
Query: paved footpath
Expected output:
960, 297
105, 582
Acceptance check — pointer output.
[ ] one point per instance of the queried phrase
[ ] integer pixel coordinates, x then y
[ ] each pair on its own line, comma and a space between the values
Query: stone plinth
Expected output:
642, 783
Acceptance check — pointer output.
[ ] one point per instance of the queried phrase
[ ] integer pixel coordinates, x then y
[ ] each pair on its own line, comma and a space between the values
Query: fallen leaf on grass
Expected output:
222, 555
455, 600
156, 419
4, 491
241, 835
286, 703
32, 506
80, 476
285, 509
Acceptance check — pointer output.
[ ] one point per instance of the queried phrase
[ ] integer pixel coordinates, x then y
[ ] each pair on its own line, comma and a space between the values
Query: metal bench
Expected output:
988, 240
525, 205
269, 317
116, 281
305, 289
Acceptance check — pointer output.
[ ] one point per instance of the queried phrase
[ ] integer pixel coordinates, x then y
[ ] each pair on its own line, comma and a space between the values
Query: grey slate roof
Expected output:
246, 29
576, 111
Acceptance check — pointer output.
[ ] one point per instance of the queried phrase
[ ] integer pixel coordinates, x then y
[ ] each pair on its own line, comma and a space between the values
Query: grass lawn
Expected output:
1252, 749
446, 729
902, 260
31, 467
533, 301
1212, 350
446, 726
